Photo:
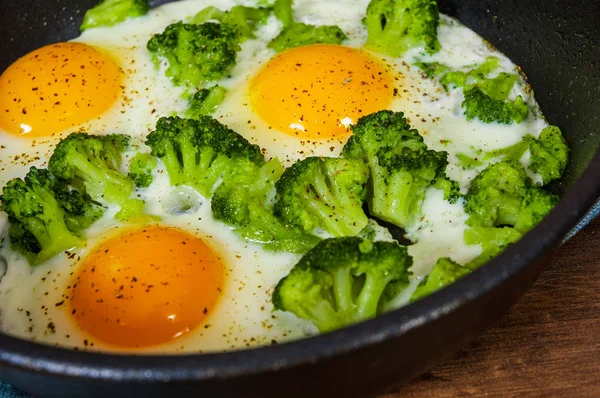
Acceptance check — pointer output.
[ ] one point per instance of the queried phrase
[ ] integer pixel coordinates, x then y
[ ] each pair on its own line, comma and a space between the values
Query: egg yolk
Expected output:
146, 287
317, 91
57, 87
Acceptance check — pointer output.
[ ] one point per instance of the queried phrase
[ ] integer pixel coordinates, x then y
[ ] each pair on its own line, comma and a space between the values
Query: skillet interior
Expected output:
553, 41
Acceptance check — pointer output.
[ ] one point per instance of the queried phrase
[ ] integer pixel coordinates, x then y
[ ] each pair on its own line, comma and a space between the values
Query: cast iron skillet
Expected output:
556, 43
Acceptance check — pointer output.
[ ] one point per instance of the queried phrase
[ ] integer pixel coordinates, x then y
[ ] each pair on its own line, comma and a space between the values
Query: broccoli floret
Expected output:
284, 12
472, 75
39, 230
402, 181
301, 34
341, 280
536, 204
499, 87
486, 98
478, 105
549, 154
244, 201
450, 188
94, 162
297, 34
401, 167
246, 19
209, 13
80, 210
199, 152
396, 26
512, 152
196, 54
390, 297
22, 241
111, 12
205, 102
495, 195
140, 169
493, 241
433, 69
503, 195
384, 130
477, 74
324, 193
444, 273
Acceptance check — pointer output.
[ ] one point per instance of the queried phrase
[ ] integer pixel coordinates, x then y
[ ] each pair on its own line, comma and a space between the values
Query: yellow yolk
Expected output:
57, 87
318, 91
146, 287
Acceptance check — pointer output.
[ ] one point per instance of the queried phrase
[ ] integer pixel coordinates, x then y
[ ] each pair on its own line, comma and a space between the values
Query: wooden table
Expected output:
548, 345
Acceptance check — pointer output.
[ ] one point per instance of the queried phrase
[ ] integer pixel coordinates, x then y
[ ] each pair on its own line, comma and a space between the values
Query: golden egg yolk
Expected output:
57, 87
317, 91
146, 287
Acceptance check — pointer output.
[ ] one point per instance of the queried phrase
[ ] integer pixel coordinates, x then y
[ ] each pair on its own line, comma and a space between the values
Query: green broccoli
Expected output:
284, 12
297, 34
493, 241
503, 195
499, 87
396, 26
470, 76
486, 98
433, 69
324, 193
80, 210
205, 102
24, 242
401, 167
94, 162
341, 280
196, 54
536, 204
511, 152
383, 130
458, 78
402, 181
111, 12
246, 19
549, 154
140, 169
479, 105
444, 273
300, 34
199, 152
38, 229
244, 202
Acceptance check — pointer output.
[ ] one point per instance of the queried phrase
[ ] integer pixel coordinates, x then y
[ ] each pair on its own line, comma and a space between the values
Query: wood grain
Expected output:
548, 345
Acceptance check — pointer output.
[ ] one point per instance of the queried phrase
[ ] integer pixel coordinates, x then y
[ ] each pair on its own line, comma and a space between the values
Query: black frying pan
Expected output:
557, 44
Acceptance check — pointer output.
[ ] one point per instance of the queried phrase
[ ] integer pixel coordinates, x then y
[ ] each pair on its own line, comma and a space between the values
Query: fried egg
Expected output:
188, 283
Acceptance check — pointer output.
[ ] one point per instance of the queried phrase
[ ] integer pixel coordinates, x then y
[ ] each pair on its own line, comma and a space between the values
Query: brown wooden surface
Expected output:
548, 345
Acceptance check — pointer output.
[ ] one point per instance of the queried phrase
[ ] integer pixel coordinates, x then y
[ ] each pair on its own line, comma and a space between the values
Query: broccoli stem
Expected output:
102, 183
368, 299
171, 161
324, 316
283, 11
342, 287
210, 169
